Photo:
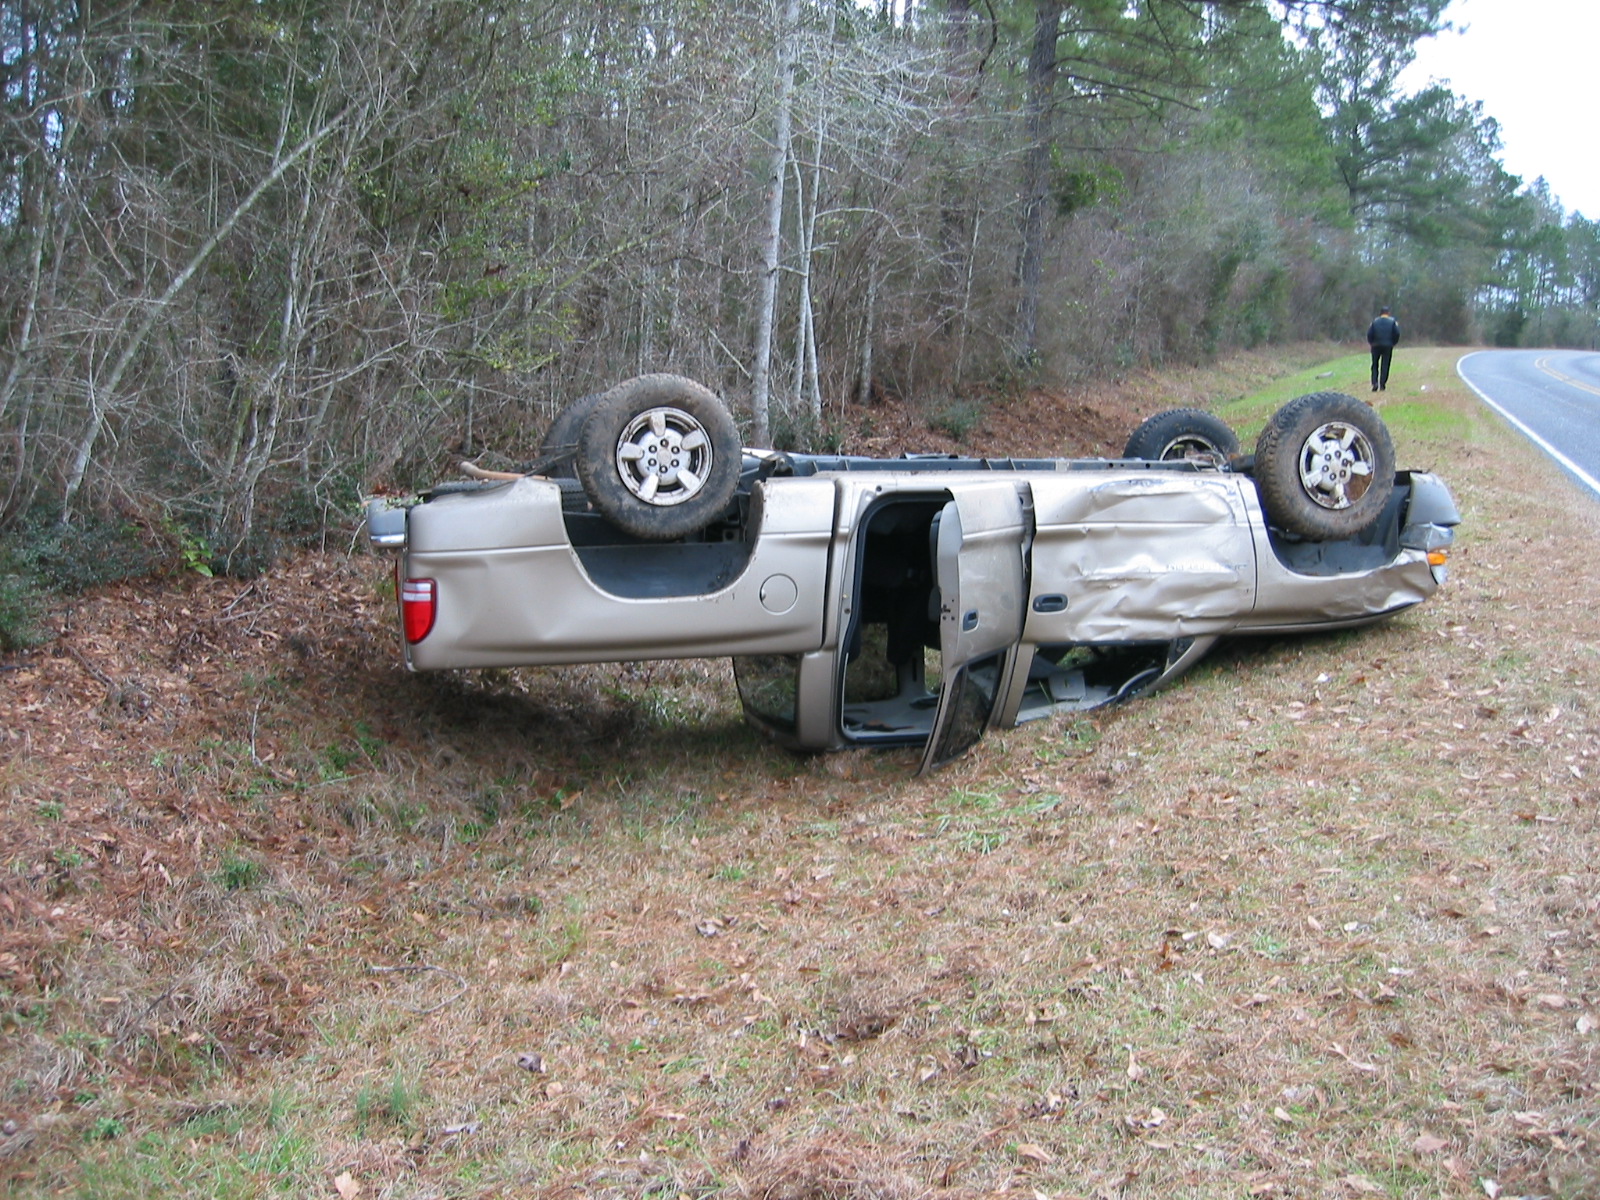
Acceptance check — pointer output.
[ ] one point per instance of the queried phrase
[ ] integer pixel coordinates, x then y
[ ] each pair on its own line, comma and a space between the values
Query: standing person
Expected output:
1383, 335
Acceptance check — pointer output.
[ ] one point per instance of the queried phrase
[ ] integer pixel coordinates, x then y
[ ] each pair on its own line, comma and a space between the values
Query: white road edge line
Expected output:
1588, 480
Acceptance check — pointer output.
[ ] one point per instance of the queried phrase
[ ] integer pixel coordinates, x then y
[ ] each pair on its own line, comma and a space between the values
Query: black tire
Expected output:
573, 497
1181, 433
562, 436
1325, 466
659, 456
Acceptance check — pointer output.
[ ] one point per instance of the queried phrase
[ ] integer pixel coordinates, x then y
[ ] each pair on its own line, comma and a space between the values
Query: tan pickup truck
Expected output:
915, 600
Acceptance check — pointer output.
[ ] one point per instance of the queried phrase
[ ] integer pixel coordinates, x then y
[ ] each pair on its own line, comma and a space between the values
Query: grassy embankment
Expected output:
1323, 920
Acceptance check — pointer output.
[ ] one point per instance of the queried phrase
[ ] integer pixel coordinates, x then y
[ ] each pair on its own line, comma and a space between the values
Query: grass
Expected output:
1318, 921
1424, 404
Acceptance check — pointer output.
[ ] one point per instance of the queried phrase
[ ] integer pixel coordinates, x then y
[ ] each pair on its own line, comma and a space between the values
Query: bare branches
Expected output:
254, 259
104, 397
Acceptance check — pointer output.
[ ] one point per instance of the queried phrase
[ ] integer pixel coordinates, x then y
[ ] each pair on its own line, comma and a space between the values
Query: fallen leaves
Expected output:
1364, 1067
1428, 1143
1362, 1186
1135, 1071
1037, 1155
1216, 939
1240, 1059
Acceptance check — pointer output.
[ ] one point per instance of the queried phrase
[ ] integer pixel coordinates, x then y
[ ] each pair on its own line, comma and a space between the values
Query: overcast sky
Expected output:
1533, 63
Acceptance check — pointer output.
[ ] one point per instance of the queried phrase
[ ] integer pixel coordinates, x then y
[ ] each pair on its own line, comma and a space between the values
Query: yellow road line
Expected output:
1543, 364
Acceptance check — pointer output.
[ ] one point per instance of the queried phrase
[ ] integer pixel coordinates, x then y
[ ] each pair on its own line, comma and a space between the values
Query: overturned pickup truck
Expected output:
915, 600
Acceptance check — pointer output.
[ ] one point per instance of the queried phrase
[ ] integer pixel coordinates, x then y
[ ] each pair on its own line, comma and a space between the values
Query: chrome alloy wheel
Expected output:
1336, 465
664, 456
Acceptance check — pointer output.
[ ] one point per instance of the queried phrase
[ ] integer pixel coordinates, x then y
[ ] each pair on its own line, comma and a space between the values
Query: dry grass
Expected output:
1320, 921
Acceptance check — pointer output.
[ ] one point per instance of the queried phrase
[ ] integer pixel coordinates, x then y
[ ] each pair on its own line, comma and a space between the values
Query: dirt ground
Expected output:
1322, 922
144, 678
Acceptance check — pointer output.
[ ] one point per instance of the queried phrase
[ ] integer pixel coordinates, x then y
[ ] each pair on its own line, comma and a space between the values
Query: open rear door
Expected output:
982, 595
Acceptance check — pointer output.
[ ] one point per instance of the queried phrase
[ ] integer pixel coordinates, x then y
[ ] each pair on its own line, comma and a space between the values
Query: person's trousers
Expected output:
1380, 366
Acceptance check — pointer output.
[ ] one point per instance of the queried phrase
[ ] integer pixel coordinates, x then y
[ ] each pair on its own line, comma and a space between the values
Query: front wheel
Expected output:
561, 439
1325, 466
1183, 433
659, 456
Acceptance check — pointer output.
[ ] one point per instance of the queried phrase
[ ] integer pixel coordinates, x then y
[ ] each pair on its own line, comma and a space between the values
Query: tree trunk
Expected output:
807, 388
957, 207
761, 379
37, 193
965, 325
869, 322
1036, 172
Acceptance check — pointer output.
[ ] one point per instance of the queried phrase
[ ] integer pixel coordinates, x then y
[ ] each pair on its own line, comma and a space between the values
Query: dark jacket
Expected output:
1385, 331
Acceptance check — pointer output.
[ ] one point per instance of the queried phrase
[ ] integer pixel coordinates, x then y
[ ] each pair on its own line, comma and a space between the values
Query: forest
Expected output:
258, 257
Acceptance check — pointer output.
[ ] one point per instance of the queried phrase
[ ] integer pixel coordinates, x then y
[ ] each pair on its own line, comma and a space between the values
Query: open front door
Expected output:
982, 595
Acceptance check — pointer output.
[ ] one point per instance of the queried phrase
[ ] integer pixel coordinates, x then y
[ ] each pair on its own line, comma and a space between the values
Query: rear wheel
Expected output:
1325, 466
659, 456
1183, 433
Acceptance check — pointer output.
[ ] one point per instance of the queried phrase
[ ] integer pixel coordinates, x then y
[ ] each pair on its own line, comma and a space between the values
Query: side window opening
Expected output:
1076, 677
1368, 550
769, 689
694, 565
975, 686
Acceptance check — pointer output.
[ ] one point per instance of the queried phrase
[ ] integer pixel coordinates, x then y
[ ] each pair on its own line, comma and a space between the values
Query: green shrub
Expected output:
41, 558
21, 610
957, 418
83, 553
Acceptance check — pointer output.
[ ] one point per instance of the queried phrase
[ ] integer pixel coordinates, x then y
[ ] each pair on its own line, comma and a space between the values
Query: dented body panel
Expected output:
1150, 555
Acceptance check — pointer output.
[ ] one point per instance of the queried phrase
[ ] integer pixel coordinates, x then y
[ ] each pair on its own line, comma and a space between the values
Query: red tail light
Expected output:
419, 604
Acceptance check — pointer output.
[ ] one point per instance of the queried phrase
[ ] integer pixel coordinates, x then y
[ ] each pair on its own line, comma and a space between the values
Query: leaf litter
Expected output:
1260, 942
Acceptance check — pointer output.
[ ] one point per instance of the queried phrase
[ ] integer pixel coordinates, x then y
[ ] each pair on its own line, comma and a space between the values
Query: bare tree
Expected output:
772, 242
103, 394
254, 258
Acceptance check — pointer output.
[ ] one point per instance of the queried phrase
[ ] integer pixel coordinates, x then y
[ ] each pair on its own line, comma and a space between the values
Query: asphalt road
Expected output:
1551, 396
